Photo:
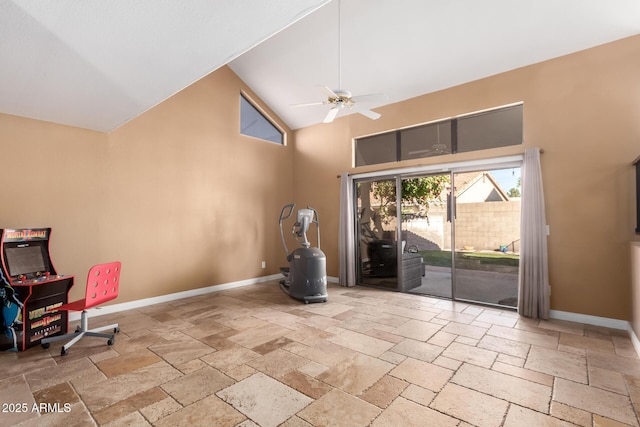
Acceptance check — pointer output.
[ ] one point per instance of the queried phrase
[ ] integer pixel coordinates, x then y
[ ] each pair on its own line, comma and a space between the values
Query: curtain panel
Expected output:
346, 233
533, 287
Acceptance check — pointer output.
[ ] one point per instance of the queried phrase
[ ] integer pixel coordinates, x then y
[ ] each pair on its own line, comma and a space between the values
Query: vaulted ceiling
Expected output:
97, 64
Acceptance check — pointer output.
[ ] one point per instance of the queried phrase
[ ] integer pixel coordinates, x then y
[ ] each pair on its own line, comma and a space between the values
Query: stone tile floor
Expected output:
254, 357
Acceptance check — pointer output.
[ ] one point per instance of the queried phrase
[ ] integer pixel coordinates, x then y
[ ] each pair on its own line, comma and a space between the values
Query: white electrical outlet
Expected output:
264, 264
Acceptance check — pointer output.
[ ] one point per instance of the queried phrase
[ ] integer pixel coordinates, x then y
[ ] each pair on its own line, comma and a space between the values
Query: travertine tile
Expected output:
383, 392
189, 388
442, 338
229, 358
571, 414
254, 337
502, 345
599, 421
130, 405
339, 409
160, 409
324, 353
107, 392
76, 416
471, 406
510, 360
306, 384
17, 399
405, 413
356, 374
588, 343
367, 357
562, 326
496, 319
557, 363
526, 374
469, 331
421, 373
277, 363
206, 412
518, 416
264, 400
607, 380
419, 394
418, 350
624, 365
126, 363
417, 330
522, 392
595, 400
624, 347
362, 343
182, 352
526, 337
466, 353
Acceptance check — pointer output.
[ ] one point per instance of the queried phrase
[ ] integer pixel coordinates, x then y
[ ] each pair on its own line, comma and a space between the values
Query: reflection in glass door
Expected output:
377, 233
487, 236
426, 235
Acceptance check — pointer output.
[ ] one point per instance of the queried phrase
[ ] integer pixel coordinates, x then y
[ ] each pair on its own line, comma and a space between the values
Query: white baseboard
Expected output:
590, 320
115, 308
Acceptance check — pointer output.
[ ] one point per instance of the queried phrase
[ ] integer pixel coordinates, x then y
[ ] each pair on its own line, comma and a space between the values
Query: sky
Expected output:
507, 178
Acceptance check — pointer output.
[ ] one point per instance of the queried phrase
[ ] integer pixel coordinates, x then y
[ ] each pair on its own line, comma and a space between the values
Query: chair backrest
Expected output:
103, 282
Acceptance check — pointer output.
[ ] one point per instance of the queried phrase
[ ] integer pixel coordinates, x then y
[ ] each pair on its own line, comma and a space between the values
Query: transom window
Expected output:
254, 123
489, 129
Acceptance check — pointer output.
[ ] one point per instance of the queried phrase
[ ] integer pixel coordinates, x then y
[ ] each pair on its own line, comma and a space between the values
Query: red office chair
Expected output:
102, 286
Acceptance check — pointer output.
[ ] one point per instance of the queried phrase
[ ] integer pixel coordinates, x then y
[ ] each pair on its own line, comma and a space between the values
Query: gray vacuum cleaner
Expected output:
305, 278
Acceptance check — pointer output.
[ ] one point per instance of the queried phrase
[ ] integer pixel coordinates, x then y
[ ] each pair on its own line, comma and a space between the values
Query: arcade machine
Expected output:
30, 289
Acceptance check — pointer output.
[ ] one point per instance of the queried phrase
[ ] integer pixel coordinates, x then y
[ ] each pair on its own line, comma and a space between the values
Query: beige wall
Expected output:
177, 194
186, 202
582, 109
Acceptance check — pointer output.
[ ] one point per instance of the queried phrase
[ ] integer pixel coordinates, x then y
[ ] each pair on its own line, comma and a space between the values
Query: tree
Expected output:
415, 192
515, 192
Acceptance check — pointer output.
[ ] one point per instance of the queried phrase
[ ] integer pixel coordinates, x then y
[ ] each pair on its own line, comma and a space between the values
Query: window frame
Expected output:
452, 144
262, 113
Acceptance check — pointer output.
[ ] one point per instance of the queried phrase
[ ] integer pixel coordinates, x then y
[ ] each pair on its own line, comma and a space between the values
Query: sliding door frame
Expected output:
436, 169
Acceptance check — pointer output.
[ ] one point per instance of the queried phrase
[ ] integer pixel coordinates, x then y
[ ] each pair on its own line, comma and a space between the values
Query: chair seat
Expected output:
79, 305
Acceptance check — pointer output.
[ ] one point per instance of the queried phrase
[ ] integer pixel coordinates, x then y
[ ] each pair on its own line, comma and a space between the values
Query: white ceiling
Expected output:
97, 64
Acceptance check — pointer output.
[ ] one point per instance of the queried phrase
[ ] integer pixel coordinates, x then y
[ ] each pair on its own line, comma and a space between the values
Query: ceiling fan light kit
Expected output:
340, 98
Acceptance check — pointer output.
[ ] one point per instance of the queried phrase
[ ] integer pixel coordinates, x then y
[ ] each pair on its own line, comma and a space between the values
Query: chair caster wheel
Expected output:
45, 345
110, 342
77, 329
116, 330
63, 352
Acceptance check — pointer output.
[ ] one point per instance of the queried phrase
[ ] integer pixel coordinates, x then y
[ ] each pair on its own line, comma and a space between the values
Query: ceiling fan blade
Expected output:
368, 113
308, 104
328, 91
331, 115
372, 97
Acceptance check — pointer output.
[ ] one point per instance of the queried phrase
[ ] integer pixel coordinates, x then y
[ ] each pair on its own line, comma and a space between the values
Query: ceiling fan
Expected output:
340, 98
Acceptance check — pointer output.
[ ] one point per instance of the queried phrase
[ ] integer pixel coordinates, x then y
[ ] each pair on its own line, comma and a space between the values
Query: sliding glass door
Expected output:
452, 235
426, 235
377, 229
487, 236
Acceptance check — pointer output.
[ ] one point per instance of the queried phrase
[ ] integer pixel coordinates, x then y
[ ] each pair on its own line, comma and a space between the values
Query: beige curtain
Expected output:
533, 299
346, 233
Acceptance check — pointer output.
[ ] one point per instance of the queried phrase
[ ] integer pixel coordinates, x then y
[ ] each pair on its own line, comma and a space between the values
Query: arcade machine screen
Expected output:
25, 259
